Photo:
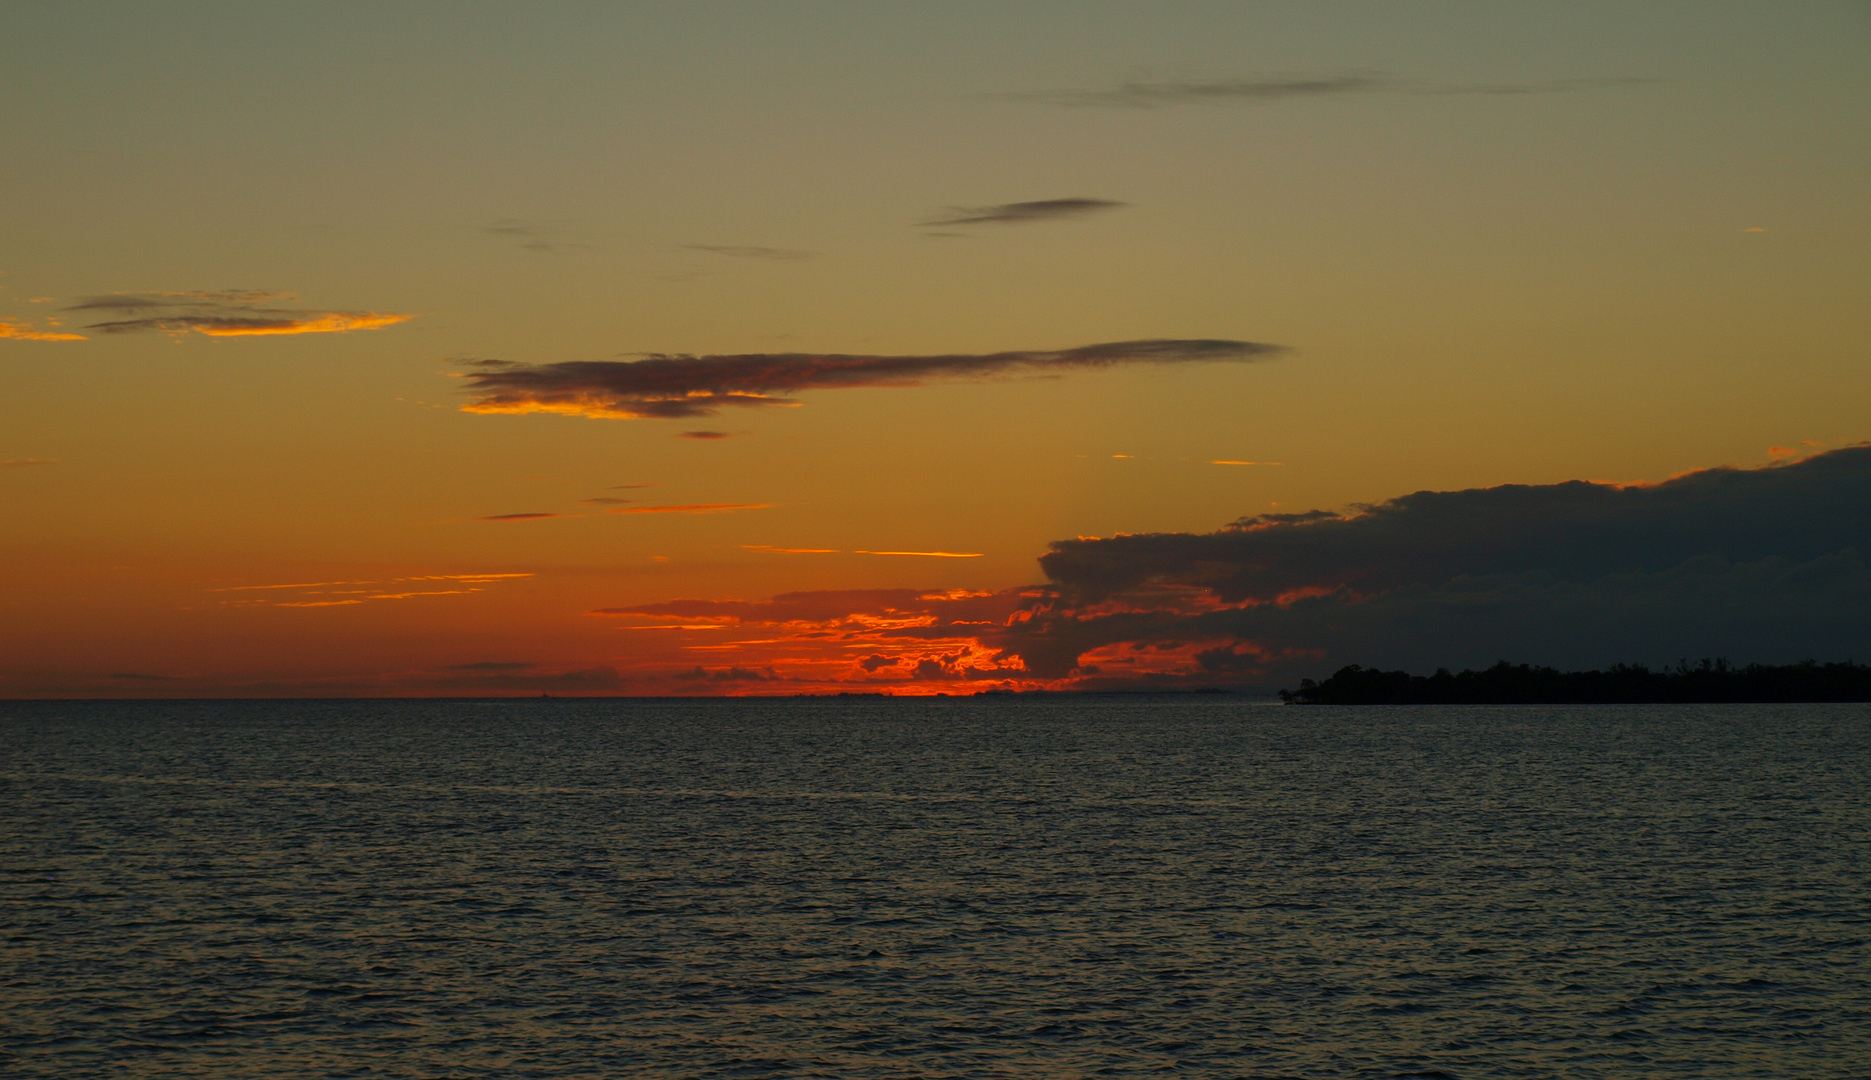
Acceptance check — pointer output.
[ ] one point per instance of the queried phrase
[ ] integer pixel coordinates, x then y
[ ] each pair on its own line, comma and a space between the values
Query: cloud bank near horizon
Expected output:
1757, 565
676, 386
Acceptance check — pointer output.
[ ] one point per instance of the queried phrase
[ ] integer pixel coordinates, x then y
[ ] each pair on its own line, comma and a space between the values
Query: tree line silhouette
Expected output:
1524, 684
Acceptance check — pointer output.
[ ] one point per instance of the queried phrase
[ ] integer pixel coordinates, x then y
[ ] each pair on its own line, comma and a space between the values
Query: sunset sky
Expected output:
767, 347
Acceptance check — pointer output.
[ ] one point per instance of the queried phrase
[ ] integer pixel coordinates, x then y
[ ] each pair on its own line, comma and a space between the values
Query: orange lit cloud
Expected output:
1751, 562
21, 330
926, 554
230, 313
691, 508
1247, 463
314, 594
663, 386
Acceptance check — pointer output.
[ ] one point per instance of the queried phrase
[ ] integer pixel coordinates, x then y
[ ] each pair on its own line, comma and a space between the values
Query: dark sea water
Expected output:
950, 888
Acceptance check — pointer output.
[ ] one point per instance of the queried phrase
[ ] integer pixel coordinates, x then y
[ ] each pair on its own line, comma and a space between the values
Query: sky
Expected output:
800, 347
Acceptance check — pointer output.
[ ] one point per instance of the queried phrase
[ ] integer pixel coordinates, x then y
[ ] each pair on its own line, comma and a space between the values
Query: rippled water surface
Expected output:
946, 888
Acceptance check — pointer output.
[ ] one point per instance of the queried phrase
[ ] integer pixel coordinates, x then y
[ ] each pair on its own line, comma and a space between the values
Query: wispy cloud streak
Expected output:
1268, 89
229, 313
665, 386
533, 237
748, 252
1020, 213
691, 508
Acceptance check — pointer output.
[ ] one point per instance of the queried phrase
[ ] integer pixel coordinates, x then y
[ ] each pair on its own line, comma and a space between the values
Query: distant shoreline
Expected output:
1708, 682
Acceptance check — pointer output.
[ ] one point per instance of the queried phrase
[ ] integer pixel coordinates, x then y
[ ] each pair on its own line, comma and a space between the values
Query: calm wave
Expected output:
946, 888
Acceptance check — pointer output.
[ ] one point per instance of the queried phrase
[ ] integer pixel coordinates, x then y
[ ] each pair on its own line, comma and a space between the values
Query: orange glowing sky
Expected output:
764, 348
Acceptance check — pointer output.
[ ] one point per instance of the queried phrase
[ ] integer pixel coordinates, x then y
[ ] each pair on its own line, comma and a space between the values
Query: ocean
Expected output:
1010, 887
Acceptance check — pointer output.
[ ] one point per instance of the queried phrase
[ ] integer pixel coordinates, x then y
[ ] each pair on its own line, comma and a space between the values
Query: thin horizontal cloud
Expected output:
744, 252
1021, 213
293, 585
675, 626
314, 594
705, 436
666, 386
228, 313
21, 330
27, 462
1268, 89
1227, 462
926, 554
529, 679
533, 236
534, 516
691, 508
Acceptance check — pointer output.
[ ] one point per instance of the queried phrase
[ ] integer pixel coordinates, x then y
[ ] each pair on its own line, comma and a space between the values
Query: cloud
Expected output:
21, 463
1247, 462
1267, 89
1766, 564
535, 516
691, 508
498, 677
21, 330
229, 313
359, 591
728, 675
664, 386
926, 554
1759, 564
767, 253
1021, 213
706, 436
533, 236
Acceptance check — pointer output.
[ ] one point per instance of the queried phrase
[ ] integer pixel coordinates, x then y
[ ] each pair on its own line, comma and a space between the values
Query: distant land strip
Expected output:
1710, 681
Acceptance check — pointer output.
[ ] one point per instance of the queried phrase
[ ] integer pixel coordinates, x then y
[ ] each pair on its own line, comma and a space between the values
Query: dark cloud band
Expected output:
1021, 213
683, 386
